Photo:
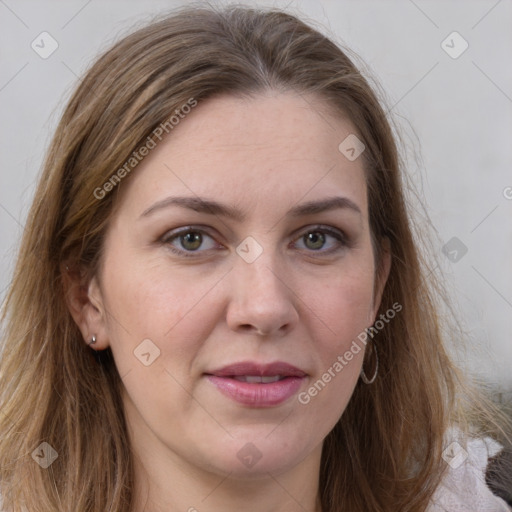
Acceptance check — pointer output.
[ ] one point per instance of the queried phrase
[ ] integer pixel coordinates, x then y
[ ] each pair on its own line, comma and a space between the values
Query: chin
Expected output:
254, 456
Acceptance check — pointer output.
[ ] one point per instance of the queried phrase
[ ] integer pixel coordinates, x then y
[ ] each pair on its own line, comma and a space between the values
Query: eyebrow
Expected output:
208, 206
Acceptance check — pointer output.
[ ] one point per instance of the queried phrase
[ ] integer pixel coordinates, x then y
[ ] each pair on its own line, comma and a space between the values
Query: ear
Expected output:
381, 276
85, 303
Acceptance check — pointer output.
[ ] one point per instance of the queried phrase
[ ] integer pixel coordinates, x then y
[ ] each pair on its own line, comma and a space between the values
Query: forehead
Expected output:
276, 148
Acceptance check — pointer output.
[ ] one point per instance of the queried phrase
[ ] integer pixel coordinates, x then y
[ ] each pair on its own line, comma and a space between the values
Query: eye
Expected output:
318, 238
193, 241
188, 241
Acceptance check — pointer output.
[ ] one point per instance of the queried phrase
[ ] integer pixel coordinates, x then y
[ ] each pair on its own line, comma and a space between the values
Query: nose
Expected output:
262, 300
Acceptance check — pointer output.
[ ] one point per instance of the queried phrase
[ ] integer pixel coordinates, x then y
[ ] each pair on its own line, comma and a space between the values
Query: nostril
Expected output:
249, 327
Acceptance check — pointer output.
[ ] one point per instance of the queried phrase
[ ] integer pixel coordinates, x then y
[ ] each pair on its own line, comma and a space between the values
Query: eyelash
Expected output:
169, 237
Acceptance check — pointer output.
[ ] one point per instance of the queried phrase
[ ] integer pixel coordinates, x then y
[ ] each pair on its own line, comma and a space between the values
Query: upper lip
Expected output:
245, 368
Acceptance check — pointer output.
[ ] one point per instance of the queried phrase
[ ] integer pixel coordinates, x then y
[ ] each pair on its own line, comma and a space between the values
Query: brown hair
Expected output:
384, 454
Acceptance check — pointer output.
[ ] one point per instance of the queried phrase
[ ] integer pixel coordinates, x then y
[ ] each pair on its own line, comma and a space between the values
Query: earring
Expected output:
365, 379
93, 340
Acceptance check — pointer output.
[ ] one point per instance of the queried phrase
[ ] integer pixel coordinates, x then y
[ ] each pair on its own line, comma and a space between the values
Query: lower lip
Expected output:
257, 395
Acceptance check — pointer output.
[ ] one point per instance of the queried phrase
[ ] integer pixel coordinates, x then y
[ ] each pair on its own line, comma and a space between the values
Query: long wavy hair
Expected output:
384, 454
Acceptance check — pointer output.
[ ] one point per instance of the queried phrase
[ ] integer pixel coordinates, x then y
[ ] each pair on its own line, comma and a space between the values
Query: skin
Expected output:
296, 302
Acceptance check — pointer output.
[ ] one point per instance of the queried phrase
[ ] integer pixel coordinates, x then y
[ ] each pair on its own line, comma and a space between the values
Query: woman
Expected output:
218, 302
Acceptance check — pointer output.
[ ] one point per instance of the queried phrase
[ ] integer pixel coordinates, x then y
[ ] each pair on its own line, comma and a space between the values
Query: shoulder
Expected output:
463, 486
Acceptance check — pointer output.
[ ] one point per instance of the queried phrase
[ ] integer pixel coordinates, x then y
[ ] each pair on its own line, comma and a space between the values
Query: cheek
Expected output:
154, 308
161, 323
148, 294
345, 308
345, 304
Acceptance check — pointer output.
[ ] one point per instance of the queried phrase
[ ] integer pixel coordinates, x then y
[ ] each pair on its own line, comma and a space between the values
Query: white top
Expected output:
463, 488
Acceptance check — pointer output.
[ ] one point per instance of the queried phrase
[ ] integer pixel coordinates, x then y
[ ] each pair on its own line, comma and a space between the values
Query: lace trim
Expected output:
463, 488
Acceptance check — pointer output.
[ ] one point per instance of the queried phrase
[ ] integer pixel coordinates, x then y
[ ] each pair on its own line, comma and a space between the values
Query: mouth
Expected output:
258, 385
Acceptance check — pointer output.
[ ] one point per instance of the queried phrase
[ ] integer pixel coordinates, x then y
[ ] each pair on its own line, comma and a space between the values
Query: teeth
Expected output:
257, 379
267, 380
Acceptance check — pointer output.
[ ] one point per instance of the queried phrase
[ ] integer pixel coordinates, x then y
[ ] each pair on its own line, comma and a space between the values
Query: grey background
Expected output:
454, 116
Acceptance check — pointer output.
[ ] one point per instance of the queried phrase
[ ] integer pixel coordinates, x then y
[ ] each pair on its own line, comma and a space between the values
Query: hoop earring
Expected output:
364, 378
93, 340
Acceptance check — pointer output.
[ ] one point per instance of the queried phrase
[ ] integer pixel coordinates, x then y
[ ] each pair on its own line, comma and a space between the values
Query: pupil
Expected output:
192, 241
317, 239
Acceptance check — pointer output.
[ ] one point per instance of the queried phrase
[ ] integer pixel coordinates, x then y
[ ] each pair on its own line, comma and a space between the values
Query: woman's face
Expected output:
237, 270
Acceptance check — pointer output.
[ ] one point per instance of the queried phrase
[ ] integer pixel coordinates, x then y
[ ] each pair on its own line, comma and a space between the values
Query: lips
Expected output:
261, 370
258, 385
